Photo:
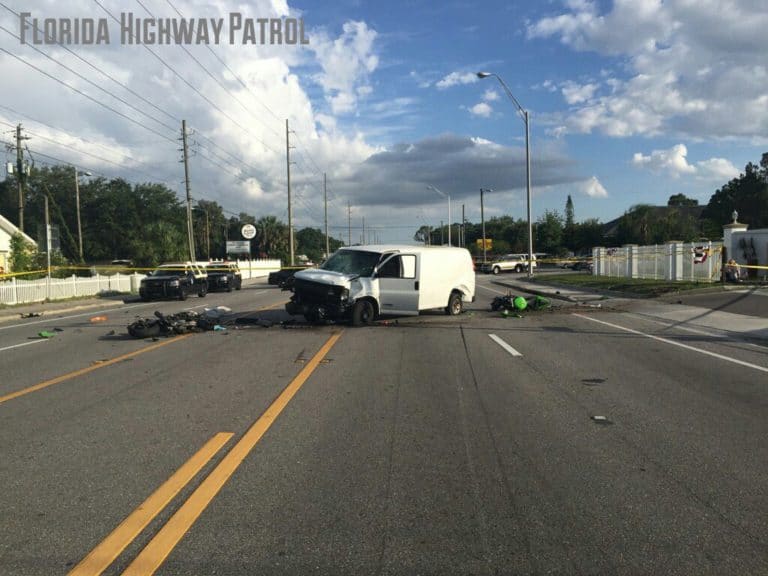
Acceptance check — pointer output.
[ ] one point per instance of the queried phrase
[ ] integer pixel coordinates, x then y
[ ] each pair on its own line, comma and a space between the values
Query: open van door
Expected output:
398, 279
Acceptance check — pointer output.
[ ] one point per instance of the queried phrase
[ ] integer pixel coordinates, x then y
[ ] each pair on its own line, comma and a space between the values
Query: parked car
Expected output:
174, 280
507, 263
224, 276
284, 277
582, 265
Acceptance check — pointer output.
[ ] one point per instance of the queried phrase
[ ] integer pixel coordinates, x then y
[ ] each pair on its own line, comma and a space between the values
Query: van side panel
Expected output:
443, 270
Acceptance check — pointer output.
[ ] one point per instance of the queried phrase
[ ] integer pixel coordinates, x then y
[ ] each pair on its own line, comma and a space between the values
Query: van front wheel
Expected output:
363, 313
455, 306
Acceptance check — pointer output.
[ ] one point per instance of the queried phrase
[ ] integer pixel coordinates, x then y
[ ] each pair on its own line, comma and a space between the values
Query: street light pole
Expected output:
482, 220
449, 210
524, 115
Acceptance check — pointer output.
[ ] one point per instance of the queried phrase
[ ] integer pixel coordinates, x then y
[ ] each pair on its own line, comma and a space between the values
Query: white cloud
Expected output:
346, 62
481, 109
674, 162
717, 169
491, 95
692, 67
593, 188
578, 94
455, 79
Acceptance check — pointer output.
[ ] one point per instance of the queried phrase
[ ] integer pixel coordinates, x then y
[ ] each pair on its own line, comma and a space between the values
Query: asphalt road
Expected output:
574, 440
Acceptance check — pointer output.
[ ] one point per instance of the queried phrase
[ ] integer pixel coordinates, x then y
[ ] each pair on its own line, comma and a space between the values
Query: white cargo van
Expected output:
361, 283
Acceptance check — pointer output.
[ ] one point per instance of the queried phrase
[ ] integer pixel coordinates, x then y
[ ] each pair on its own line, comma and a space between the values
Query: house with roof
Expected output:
7, 230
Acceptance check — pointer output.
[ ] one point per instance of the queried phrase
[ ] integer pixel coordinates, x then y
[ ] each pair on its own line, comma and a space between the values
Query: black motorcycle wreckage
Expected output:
170, 324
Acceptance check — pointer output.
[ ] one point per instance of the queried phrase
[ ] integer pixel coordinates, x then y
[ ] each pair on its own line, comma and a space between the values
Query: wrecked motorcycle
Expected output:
167, 324
518, 303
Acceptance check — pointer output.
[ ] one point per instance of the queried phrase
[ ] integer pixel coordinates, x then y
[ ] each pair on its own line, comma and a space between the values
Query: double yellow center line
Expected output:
158, 549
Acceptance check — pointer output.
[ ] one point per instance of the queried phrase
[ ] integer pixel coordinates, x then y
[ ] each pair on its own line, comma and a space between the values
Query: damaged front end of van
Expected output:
322, 296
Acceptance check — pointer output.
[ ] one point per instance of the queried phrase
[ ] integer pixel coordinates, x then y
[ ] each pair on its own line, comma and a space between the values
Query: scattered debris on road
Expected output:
31, 315
601, 420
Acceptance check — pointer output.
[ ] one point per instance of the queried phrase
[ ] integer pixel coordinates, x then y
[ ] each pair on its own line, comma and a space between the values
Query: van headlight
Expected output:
344, 295
173, 283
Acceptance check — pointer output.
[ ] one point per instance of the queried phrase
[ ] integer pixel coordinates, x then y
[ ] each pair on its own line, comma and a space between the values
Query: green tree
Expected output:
272, 238
23, 254
549, 233
747, 194
210, 226
635, 226
422, 234
569, 229
681, 200
588, 234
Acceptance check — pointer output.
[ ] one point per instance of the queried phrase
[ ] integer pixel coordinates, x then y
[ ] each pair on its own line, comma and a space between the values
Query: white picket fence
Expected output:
19, 291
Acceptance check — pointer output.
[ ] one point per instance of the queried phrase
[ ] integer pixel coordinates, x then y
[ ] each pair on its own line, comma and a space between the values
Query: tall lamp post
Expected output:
77, 202
524, 115
449, 209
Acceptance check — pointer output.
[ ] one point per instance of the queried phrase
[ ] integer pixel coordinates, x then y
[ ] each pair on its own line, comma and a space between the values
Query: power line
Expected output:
102, 72
180, 77
91, 98
242, 83
55, 142
118, 98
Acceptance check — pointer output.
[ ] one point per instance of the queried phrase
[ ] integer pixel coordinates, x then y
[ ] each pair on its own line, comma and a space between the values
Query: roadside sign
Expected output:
248, 231
488, 243
238, 246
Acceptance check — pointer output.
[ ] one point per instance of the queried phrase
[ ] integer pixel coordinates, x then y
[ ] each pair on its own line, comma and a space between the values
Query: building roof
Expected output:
611, 229
10, 228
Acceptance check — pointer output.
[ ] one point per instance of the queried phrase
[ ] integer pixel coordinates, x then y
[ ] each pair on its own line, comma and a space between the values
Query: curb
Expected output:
548, 294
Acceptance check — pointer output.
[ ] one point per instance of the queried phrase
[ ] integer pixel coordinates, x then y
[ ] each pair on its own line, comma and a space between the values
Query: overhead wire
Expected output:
102, 72
189, 84
89, 97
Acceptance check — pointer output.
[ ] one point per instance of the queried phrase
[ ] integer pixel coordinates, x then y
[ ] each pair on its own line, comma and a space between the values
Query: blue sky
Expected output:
629, 101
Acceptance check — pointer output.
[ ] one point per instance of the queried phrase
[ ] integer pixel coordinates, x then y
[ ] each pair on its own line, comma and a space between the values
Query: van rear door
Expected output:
398, 279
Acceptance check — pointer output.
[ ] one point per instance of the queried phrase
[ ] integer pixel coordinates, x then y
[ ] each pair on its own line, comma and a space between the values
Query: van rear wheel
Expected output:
455, 305
363, 313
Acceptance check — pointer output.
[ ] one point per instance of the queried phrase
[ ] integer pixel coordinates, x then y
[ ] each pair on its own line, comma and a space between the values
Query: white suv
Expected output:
508, 263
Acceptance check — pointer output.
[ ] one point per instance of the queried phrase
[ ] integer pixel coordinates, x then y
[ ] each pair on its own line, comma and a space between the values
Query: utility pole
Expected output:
463, 240
288, 174
207, 234
79, 224
349, 224
48, 245
190, 229
442, 233
20, 174
362, 239
325, 202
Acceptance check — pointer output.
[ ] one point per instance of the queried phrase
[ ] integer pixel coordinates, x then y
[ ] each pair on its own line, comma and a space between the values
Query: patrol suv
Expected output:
174, 280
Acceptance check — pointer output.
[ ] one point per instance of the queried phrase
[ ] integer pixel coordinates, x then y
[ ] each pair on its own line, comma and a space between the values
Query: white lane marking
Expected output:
680, 344
504, 345
22, 344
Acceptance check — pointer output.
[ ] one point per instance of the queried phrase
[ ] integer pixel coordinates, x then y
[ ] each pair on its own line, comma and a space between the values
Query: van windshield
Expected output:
352, 262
